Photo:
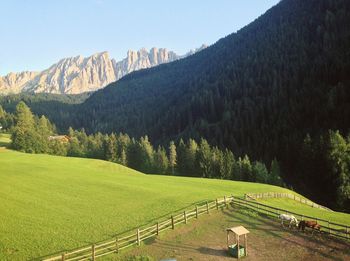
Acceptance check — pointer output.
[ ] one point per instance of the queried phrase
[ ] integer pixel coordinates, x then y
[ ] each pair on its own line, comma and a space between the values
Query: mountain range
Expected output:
76, 75
275, 89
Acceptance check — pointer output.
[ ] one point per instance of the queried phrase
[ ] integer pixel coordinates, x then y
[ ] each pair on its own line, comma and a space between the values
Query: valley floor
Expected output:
205, 239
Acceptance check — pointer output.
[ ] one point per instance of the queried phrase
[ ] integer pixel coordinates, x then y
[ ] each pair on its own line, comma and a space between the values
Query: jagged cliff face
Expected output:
74, 75
15, 82
142, 59
78, 74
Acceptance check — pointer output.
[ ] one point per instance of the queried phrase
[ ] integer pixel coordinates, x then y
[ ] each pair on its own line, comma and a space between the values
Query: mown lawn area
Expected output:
50, 204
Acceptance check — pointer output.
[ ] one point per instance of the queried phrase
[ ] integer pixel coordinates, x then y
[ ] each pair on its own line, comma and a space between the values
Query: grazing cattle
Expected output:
289, 218
309, 223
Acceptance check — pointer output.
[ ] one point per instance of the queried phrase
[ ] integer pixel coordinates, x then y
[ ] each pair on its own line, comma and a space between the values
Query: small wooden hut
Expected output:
236, 249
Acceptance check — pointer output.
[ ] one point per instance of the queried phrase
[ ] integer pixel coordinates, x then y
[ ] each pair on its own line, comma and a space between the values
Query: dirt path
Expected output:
205, 239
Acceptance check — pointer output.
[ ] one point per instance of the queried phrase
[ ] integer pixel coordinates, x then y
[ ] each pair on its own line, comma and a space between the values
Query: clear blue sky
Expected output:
37, 33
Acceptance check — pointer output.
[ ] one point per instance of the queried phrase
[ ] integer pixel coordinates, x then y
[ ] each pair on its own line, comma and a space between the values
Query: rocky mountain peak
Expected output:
80, 74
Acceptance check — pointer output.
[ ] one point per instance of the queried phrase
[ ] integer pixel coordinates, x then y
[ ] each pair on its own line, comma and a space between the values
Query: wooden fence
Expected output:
265, 195
94, 251
331, 228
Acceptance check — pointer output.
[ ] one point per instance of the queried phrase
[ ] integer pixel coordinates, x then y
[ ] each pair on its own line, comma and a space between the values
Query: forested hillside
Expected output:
270, 90
259, 91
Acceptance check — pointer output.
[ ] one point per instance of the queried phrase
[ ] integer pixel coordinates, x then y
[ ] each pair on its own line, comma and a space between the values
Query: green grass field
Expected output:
304, 209
49, 204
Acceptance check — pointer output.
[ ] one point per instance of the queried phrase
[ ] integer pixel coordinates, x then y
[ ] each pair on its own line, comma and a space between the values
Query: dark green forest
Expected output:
34, 134
277, 88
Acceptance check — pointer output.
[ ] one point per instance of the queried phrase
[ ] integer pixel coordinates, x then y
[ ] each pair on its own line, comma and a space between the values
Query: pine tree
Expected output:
110, 148
275, 173
123, 157
181, 158
147, 155
204, 159
339, 155
246, 168
24, 137
260, 172
172, 156
191, 157
161, 162
44, 129
227, 164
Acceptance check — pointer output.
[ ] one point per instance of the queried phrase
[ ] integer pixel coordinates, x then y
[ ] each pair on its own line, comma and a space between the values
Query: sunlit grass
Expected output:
49, 204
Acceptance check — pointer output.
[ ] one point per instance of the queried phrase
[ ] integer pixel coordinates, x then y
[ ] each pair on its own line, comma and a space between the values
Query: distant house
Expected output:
61, 138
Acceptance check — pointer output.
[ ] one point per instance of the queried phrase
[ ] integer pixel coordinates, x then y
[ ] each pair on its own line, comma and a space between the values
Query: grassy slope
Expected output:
49, 204
304, 209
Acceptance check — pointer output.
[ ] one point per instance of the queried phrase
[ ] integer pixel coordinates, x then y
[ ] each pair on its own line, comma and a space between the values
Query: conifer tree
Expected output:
204, 158
172, 157
161, 162
24, 137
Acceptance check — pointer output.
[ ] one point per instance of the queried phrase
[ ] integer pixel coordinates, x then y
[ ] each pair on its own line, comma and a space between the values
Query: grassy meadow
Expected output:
50, 204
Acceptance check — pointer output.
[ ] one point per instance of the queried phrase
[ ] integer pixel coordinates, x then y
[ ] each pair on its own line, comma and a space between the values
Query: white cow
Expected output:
289, 218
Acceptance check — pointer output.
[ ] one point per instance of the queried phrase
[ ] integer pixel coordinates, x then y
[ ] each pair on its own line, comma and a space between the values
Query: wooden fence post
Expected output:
185, 217
157, 228
207, 207
196, 211
63, 257
116, 245
138, 237
347, 232
225, 201
172, 222
93, 252
217, 205
302, 217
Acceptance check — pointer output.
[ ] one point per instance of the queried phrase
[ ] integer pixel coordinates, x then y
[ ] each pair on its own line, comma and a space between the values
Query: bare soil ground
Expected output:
205, 239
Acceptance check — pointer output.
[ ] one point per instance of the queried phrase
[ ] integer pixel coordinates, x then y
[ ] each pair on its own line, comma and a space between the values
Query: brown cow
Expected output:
309, 223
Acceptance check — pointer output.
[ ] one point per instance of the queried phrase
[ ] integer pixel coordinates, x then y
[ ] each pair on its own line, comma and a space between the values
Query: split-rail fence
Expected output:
94, 251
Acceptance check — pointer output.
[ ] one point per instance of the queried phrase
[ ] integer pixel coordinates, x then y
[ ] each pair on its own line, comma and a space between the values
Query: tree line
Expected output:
329, 154
191, 158
257, 92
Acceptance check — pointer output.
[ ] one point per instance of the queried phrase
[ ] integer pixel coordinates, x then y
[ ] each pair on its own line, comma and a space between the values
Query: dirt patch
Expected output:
205, 239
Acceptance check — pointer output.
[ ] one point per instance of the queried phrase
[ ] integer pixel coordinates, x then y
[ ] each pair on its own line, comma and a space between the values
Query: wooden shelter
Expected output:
236, 249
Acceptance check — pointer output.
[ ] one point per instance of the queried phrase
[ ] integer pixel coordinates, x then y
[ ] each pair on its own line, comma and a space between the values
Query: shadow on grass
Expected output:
190, 248
255, 222
258, 220
213, 252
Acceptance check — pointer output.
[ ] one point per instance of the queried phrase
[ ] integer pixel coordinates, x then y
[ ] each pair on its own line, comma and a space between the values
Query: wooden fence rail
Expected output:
265, 195
332, 228
119, 243
103, 248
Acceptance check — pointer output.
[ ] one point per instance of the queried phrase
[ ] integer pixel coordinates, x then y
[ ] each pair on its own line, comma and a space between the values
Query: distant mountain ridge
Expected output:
76, 75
